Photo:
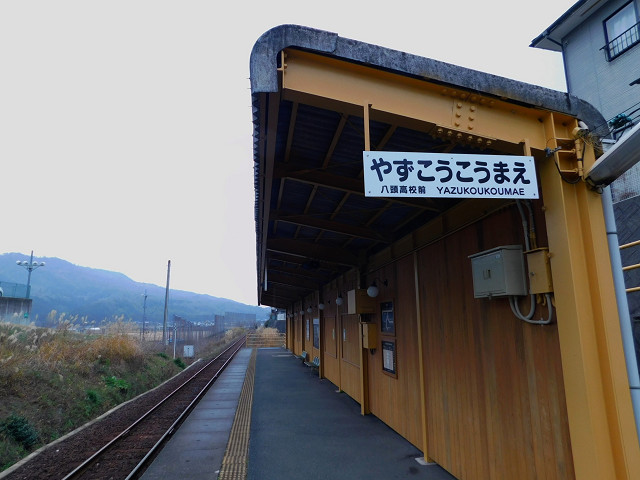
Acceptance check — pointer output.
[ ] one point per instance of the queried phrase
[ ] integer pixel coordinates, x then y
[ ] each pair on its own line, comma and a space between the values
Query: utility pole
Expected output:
175, 336
144, 312
165, 338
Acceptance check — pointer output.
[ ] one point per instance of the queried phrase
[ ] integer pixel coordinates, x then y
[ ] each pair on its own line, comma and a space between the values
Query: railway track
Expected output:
127, 454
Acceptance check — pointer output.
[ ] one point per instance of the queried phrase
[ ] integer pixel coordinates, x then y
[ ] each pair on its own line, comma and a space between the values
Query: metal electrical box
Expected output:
539, 271
499, 272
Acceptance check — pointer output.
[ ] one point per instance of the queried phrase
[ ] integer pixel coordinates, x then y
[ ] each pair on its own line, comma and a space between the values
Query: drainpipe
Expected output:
623, 307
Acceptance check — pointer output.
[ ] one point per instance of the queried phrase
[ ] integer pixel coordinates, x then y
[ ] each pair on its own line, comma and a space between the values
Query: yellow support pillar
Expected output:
421, 369
601, 423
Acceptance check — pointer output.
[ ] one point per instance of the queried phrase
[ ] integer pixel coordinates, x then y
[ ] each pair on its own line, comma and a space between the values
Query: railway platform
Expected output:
268, 416
196, 449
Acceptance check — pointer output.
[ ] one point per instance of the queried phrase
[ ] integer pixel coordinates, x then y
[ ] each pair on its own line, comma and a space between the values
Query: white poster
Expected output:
387, 360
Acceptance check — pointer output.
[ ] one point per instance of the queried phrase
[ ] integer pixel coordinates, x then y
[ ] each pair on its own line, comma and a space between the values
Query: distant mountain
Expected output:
101, 294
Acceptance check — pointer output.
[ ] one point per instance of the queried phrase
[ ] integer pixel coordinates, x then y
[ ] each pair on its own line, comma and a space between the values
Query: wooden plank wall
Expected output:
289, 332
396, 400
331, 367
494, 385
341, 358
350, 364
298, 329
329, 319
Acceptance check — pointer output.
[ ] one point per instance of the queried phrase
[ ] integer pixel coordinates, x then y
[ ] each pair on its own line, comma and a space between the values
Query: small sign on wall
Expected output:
389, 357
316, 332
388, 325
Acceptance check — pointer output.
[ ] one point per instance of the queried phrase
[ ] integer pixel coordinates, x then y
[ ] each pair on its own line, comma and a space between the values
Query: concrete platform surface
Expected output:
302, 428
196, 449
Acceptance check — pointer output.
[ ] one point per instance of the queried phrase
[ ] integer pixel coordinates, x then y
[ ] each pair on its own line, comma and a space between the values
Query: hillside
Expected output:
101, 294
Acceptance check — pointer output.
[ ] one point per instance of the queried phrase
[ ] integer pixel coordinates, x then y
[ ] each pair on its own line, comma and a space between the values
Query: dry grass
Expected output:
58, 350
53, 380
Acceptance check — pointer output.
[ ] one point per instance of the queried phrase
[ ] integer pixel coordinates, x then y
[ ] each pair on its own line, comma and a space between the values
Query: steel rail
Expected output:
185, 412
80, 469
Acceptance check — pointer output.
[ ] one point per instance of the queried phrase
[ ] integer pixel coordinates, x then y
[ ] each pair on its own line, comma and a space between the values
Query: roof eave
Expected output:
264, 73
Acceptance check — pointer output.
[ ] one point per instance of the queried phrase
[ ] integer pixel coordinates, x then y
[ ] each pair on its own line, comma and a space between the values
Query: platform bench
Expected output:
314, 364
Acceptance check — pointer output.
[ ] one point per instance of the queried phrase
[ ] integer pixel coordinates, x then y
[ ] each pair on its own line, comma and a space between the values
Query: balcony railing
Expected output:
623, 42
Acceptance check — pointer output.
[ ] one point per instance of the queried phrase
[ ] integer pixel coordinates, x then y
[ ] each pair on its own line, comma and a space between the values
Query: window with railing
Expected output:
622, 31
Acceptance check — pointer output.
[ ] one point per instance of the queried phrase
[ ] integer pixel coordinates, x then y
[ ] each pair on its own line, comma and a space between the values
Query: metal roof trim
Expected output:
264, 74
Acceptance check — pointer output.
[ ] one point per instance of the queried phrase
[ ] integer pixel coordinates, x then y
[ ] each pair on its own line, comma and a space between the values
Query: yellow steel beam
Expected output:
421, 369
448, 112
601, 423
367, 132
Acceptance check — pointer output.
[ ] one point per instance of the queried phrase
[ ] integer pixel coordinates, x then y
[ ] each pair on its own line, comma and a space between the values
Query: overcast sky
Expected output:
125, 126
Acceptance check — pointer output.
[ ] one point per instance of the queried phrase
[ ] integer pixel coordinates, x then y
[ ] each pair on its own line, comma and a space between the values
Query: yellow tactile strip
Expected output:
234, 463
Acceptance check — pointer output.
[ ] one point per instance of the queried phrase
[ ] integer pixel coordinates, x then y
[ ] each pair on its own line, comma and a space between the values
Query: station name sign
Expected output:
436, 175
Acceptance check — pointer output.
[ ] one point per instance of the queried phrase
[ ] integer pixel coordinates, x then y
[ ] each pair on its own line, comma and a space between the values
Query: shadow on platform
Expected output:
303, 428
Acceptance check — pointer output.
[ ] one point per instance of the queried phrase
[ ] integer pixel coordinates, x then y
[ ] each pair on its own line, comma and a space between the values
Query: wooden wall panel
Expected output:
350, 364
330, 336
297, 319
289, 332
396, 400
341, 359
330, 351
495, 398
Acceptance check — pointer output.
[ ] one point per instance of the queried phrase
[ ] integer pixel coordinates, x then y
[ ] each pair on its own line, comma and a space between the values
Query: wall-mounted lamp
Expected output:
309, 310
373, 289
301, 312
321, 306
339, 300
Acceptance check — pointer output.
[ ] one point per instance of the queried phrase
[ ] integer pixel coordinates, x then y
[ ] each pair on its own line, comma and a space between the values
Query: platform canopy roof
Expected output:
313, 95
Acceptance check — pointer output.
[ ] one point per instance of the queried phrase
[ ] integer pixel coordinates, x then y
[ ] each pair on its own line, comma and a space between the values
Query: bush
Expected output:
118, 383
179, 362
93, 402
20, 430
93, 397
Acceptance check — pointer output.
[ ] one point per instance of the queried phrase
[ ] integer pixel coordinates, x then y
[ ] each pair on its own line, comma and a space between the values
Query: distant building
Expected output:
235, 319
14, 306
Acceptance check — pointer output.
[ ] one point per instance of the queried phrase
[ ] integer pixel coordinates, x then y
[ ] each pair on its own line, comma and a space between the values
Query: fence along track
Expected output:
81, 469
260, 340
